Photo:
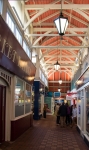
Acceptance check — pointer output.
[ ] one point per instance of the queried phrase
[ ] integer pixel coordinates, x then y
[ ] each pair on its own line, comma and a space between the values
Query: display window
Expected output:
19, 97
22, 97
28, 98
87, 110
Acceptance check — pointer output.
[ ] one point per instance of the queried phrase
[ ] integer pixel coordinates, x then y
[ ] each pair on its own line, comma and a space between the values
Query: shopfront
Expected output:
83, 105
16, 78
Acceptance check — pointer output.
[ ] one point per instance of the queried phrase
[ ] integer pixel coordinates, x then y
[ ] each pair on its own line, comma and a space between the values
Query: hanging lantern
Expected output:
56, 65
61, 23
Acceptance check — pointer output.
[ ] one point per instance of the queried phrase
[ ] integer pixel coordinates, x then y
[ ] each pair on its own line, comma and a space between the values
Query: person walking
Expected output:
63, 113
74, 116
57, 114
68, 114
71, 110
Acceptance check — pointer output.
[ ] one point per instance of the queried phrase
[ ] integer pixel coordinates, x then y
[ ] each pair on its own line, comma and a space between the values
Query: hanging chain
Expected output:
61, 6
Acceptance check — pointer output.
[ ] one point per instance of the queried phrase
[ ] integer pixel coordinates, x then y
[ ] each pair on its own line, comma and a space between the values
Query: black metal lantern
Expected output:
56, 65
61, 23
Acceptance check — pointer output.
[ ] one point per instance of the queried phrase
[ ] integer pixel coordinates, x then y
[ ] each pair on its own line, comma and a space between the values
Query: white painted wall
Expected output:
20, 11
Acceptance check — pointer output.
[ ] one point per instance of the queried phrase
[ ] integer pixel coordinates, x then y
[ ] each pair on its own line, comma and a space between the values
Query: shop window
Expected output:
87, 110
10, 22
28, 99
18, 36
19, 98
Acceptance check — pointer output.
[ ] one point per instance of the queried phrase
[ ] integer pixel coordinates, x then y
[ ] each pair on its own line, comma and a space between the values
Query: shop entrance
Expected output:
2, 112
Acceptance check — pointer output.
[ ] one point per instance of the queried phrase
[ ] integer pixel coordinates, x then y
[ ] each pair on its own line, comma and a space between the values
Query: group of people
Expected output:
65, 114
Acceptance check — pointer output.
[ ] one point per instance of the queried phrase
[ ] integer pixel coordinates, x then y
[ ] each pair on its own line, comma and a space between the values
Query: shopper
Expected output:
57, 114
71, 110
63, 113
68, 114
74, 115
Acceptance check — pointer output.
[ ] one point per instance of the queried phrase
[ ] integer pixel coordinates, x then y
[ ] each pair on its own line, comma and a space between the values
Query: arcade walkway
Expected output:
45, 135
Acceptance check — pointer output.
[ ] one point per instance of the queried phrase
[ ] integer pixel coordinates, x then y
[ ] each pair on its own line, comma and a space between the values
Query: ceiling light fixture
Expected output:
59, 89
56, 65
61, 23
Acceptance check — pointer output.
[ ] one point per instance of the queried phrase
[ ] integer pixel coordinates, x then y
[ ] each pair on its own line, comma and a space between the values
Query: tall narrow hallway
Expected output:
45, 135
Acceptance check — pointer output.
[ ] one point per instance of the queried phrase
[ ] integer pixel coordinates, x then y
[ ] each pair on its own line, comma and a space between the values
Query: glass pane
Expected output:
57, 22
28, 99
12, 27
18, 36
30, 54
10, 22
19, 98
24, 46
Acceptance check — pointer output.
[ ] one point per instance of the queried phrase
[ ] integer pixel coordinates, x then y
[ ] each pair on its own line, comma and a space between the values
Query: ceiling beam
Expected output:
64, 12
55, 29
63, 56
60, 47
82, 13
56, 6
38, 39
63, 65
55, 71
46, 34
60, 61
58, 81
38, 14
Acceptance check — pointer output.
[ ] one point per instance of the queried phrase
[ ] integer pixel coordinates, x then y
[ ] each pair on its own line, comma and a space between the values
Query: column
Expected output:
36, 100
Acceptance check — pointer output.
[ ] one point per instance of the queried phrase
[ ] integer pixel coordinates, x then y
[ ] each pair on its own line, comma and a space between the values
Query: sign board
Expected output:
57, 94
12, 56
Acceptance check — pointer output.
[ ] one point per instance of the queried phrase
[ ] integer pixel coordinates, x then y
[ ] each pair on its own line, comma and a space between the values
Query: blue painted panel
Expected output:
57, 94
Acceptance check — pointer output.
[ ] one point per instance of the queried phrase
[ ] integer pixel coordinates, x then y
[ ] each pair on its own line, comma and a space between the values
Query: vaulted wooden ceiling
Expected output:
42, 14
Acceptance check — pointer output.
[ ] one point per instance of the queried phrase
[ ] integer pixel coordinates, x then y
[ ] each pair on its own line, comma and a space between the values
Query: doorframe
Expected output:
4, 87
7, 108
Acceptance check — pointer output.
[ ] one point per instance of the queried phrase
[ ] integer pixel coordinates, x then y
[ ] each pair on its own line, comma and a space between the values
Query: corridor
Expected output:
45, 135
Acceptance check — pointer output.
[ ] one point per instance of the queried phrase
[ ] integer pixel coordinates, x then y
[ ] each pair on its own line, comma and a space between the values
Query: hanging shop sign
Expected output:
12, 55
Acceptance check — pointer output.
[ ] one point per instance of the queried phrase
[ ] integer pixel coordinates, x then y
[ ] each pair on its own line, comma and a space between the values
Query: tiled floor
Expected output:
45, 135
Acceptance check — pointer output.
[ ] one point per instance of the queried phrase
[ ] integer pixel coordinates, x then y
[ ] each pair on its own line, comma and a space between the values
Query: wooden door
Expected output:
2, 112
